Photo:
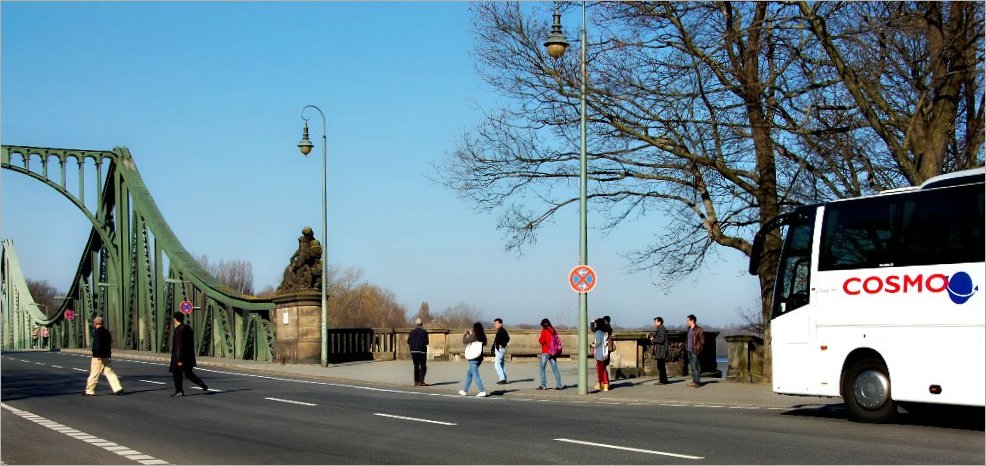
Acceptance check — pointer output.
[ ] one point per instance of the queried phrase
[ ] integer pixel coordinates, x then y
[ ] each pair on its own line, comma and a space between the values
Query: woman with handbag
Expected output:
601, 349
474, 340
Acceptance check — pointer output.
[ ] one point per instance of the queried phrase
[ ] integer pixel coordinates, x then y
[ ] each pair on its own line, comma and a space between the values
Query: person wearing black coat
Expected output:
499, 349
183, 356
659, 343
102, 351
417, 342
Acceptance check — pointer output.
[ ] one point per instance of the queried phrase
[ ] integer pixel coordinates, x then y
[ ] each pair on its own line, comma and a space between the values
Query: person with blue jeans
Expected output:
547, 333
474, 340
500, 350
694, 345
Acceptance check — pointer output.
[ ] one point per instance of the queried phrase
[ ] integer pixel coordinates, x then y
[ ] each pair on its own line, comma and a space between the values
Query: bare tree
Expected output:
912, 73
717, 115
459, 316
234, 274
424, 312
355, 303
753, 321
44, 294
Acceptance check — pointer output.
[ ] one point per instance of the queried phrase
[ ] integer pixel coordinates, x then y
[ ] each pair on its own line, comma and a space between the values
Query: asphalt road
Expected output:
255, 419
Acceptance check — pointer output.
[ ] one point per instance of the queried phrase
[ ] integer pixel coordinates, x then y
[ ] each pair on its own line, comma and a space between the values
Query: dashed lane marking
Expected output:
121, 450
153, 382
415, 419
290, 401
80, 370
636, 450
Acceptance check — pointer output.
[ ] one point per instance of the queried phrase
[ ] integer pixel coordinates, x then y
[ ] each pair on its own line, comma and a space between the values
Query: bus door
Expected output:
792, 324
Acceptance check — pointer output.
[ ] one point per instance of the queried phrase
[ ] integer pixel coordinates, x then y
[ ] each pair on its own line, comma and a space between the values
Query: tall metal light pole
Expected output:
305, 146
556, 45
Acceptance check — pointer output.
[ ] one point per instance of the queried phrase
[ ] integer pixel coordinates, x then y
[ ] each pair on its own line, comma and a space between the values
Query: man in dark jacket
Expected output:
183, 356
659, 342
102, 343
417, 342
500, 350
694, 345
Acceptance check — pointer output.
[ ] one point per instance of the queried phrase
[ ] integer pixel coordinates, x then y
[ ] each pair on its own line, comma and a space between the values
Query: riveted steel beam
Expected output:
121, 273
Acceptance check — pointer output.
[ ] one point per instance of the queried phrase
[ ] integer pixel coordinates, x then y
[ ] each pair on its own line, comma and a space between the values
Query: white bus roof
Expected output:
975, 175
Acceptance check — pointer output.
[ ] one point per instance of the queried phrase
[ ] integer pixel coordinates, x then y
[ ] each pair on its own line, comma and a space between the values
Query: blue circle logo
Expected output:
960, 288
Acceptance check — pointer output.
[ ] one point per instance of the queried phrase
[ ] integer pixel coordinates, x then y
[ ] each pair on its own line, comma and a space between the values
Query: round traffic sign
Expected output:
185, 307
69, 314
582, 279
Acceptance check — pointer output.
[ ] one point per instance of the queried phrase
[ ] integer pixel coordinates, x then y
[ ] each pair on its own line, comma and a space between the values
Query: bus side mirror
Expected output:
755, 253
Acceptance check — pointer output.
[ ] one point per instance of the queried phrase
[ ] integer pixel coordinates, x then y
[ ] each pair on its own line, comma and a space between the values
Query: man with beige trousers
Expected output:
102, 342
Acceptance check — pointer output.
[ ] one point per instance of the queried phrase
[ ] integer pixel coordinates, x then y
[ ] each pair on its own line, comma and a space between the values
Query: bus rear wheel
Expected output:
867, 392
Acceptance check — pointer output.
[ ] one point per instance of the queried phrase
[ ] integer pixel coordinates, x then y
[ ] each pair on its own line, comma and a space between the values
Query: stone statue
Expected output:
304, 270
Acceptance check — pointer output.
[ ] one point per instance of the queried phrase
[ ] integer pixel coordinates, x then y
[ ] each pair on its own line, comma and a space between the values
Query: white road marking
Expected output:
153, 382
57, 367
126, 452
80, 370
415, 419
636, 450
291, 401
209, 390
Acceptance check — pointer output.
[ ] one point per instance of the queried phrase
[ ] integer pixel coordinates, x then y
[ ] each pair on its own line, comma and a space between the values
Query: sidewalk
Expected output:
448, 376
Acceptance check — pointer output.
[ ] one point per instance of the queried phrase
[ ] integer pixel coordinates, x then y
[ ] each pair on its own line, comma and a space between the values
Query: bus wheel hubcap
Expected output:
872, 389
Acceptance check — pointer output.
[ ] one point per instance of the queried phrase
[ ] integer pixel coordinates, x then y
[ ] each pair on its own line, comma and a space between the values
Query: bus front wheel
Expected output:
867, 392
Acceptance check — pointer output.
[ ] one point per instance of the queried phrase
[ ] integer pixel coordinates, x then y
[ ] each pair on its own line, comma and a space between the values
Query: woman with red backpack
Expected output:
550, 350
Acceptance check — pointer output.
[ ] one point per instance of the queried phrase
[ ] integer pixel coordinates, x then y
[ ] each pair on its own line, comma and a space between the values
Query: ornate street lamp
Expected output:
305, 146
556, 45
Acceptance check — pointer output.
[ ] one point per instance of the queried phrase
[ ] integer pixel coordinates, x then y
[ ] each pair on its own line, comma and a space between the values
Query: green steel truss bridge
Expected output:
133, 270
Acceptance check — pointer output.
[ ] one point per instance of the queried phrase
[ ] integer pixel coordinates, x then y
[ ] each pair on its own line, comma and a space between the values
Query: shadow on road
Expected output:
947, 417
23, 387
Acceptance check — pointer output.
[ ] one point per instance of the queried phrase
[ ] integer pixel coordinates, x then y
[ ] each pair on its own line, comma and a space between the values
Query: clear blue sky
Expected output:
207, 97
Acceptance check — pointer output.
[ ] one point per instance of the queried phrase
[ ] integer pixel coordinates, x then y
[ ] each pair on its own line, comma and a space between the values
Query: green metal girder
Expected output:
121, 273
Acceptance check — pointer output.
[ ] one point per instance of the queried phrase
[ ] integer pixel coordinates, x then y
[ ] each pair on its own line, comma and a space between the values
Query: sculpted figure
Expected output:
304, 269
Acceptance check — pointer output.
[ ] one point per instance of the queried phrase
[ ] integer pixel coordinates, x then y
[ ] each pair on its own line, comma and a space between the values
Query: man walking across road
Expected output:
500, 350
183, 356
659, 344
102, 343
694, 345
417, 342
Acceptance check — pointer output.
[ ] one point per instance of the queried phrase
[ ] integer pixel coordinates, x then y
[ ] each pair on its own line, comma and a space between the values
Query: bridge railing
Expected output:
632, 358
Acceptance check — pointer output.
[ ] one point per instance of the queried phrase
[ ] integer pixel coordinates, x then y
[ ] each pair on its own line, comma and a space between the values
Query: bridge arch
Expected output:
121, 272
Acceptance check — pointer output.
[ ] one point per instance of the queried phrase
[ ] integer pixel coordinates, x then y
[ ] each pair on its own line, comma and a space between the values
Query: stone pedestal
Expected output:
297, 320
746, 357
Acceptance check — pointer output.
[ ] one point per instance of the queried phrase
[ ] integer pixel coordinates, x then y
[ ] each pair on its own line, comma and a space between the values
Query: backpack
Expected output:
554, 345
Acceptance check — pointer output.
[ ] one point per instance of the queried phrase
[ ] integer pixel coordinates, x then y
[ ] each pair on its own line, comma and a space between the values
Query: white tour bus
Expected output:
877, 298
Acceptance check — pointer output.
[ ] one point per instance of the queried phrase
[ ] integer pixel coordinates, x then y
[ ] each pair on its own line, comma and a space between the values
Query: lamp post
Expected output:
305, 146
556, 45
